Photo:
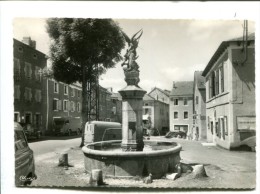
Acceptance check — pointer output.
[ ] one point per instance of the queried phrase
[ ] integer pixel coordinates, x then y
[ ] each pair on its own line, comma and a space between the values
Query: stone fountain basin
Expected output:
158, 158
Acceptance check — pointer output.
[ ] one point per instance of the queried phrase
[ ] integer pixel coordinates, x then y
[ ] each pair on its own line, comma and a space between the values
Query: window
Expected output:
56, 87
55, 104
65, 90
28, 70
17, 117
72, 106
78, 107
212, 85
222, 78
28, 118
17, 92
17, 69
65, 105
176, 101
175, 115
197, 99
28, 94
20, 49
72, 92
186, 115
185, 101
217, 82
78, 93
35, 56
38, 119
38, 95
38, 74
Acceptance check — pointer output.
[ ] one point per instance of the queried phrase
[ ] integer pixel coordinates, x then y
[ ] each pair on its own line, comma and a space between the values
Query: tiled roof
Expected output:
221, 49
199, 80
182, 88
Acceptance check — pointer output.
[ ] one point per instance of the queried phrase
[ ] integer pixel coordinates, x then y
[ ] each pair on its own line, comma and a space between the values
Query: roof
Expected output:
222, 47
199, 80
25, 45
166, 92
116, 95
148, 97
182, 88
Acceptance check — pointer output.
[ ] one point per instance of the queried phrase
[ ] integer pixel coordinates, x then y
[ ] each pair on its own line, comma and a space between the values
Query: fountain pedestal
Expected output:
132, 111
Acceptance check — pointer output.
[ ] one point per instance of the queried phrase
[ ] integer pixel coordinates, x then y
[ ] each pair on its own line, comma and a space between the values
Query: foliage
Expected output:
78, 43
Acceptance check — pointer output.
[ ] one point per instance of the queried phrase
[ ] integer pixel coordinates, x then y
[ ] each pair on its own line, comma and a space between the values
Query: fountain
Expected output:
132, 156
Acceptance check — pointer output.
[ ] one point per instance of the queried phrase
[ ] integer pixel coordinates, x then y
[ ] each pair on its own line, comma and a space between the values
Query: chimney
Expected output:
174, 86
110, 89
29, 42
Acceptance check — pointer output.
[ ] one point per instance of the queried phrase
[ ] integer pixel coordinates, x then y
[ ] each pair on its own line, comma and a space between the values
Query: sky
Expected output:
169, 49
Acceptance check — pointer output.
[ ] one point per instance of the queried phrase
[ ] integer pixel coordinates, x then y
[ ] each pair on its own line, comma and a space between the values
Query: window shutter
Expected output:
34, 120
53, 104
40, 96
30, 71
18, 92
30, 94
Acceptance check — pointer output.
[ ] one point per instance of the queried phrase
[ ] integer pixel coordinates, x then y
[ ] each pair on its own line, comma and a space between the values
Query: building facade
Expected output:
199, 108
60, 101
230, 93
28, 83
155, 115
181, 107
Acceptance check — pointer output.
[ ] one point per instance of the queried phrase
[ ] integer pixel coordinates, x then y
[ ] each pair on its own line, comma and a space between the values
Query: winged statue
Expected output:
129, 63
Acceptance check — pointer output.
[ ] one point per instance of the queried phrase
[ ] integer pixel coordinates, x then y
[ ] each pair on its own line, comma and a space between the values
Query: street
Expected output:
225, 169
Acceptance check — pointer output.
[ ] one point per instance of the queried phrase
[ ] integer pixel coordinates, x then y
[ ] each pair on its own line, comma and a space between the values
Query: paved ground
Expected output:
225, 169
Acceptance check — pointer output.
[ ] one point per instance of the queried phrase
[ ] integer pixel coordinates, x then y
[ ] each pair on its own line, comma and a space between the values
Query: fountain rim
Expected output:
151, 153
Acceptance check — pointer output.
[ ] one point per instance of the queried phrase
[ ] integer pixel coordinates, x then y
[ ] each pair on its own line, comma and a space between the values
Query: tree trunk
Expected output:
84, 110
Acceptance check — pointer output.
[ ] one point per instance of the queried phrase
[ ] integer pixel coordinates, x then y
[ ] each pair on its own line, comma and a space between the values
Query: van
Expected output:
24, 159
102, 131
67, 126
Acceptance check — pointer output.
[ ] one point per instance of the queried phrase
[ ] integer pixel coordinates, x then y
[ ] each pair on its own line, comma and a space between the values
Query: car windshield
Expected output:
20, 141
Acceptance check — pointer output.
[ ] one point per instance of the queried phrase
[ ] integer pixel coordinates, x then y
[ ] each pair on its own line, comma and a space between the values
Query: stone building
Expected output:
181, 106
60, 101
105, 104
230, 92
161, 95
28, 83
116, 101
155, 115
199, 108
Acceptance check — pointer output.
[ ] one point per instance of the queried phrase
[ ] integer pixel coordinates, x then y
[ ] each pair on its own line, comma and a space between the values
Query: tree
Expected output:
81, 49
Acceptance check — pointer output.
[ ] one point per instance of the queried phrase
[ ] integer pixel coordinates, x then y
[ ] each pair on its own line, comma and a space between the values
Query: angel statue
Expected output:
129, 63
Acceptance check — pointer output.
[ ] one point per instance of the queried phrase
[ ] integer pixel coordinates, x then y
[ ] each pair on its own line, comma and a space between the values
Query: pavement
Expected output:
225, 169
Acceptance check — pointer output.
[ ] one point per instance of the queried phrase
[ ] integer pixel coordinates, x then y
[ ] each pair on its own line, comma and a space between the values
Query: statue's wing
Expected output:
133, 38
127, 39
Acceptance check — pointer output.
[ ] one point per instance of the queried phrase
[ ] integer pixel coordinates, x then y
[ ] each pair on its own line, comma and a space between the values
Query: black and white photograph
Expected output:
126, 103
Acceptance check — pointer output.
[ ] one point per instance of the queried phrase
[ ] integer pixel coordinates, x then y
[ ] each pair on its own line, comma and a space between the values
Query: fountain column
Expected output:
132, 113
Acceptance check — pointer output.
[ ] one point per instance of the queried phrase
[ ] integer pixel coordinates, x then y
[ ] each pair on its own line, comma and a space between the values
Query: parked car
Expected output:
24, 159
101, 130
31, 132
176, 133
67, 126
250, 142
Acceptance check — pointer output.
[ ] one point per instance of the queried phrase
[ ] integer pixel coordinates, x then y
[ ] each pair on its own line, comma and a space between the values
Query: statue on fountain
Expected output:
130, 67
